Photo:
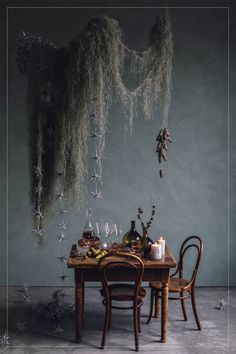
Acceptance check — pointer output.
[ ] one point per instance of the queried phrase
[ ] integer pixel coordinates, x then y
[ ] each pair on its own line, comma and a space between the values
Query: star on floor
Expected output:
58, 330
222, 304
4, 339
21, 326
72, 307
27, 298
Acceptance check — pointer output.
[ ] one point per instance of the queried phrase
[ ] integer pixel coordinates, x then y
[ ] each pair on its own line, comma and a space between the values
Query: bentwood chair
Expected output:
133, 293
179, 285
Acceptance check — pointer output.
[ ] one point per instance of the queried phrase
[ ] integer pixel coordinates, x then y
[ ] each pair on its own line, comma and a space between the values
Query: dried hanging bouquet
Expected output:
62, 85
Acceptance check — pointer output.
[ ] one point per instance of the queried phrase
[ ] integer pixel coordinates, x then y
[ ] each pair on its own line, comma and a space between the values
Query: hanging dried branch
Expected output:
62, 85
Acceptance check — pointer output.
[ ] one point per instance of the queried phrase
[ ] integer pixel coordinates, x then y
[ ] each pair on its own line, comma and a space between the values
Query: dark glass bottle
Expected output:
146, 242
131, 235
88, 230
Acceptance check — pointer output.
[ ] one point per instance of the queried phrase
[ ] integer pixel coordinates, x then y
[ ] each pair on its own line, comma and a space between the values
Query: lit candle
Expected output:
163, 245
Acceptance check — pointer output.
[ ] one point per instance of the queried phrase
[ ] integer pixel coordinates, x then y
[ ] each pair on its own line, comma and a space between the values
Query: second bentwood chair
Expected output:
112, 264
184, 287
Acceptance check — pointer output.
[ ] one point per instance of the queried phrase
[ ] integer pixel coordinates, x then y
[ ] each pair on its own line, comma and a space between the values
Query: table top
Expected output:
166, 262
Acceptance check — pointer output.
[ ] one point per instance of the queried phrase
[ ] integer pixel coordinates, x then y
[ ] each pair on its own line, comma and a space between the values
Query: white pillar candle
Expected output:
156, 251
163, 245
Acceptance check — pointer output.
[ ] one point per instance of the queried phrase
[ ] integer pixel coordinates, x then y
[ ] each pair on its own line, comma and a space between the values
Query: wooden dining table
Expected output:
86, 270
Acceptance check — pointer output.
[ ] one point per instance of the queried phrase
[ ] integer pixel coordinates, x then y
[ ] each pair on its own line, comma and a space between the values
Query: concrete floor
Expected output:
218, 335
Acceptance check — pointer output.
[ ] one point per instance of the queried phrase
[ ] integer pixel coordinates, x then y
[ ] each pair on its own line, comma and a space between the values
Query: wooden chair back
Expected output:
130, 262
192, 242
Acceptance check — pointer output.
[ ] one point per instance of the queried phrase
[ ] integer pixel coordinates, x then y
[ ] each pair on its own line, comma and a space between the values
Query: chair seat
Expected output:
123, 292
175, 284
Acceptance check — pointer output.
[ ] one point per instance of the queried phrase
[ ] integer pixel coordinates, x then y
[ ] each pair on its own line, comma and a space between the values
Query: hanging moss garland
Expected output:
61, 87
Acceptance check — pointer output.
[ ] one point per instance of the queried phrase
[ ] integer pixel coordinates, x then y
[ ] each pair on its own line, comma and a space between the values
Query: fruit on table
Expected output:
95, 253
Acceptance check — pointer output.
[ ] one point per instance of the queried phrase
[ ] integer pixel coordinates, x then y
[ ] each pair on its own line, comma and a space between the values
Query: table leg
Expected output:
164, 311
78, 311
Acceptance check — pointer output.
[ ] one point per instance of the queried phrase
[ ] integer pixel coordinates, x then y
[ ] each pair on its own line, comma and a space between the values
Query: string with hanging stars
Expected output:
37, 208
98, 145
62, 237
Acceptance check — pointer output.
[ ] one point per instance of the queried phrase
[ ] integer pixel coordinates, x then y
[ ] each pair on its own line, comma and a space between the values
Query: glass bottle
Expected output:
88, 230
146, 242
131, 235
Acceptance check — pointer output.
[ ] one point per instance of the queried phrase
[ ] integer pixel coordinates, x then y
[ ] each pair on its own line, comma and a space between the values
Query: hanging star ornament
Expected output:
26, 288
96, 195
63, 276
96, 157
61, 196
63, 225
62, 211
94, 117
38, 232
58, 330
62, 237
38, 213
4, 339
38, 190
21, 326
94, 176
38, 171
62, 259
94, 134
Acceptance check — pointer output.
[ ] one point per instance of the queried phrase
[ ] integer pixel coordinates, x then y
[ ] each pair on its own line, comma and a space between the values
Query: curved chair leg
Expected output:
183, 306
135, 318
195, 309
106, 323
109, 318
157, 304
151, 305
139, 313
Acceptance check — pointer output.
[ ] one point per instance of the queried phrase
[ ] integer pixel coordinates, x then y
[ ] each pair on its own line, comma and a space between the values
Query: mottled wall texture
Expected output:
195, 196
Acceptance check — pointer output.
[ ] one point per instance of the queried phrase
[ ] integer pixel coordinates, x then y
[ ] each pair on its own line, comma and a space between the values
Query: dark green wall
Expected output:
193, 198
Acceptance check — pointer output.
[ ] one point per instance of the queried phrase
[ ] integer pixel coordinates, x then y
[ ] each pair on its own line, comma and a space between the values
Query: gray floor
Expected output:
217, 336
